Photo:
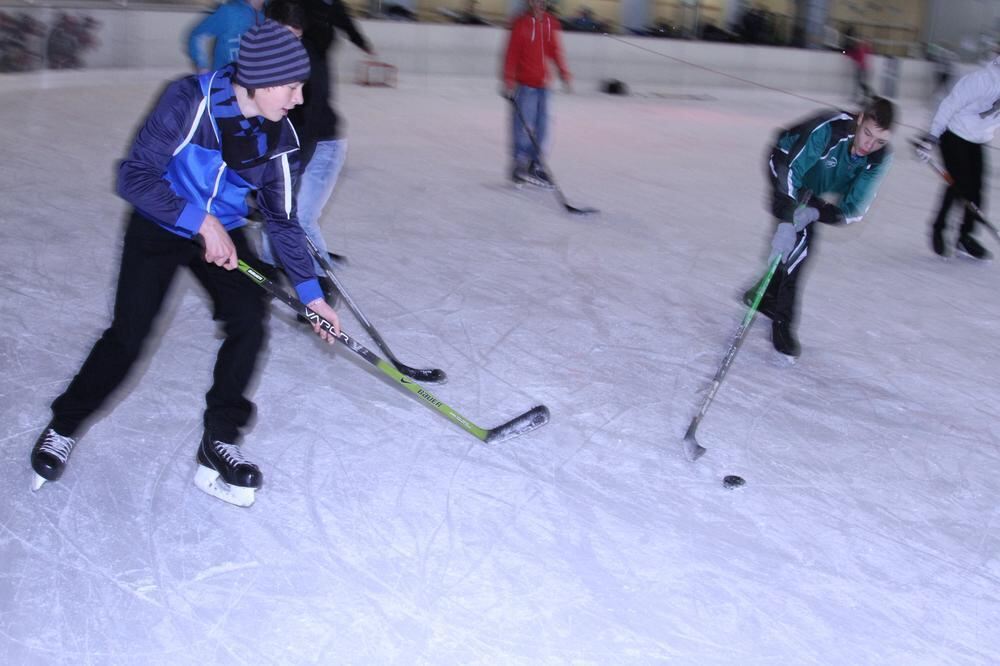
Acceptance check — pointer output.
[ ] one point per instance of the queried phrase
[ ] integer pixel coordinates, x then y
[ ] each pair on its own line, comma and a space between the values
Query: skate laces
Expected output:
230, 453
58, 445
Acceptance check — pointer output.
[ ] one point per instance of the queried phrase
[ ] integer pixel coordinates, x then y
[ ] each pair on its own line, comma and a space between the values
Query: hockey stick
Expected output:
950, 181
692, 449
429, 375
559, 195
533, 418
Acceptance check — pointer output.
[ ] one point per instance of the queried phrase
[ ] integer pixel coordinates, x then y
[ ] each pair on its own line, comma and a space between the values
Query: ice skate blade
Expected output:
37, 482
208, 481
965, 256
784, 360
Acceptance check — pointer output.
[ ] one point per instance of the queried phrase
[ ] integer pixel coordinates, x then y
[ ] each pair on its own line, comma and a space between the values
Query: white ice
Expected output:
867, 531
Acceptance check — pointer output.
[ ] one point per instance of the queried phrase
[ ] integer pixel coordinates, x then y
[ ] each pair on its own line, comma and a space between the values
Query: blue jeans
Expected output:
315, 188
533, 103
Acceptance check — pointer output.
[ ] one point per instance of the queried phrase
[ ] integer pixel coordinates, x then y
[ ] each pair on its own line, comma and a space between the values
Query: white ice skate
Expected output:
208, 480
225, 473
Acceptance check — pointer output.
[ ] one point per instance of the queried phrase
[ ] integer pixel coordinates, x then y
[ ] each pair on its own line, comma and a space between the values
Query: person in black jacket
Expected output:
320, 130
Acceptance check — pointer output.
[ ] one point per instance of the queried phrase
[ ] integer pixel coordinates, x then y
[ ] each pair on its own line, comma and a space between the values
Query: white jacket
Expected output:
972, 108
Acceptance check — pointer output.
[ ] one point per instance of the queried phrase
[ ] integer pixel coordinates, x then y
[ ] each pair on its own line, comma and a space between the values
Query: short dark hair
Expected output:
882, 111
288, 13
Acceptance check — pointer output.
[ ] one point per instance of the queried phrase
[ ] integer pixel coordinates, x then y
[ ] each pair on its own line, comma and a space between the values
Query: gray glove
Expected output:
804, 216
783, 241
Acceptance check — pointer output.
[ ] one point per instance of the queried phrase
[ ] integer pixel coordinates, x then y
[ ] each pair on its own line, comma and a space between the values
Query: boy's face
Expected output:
869, 137
275, 103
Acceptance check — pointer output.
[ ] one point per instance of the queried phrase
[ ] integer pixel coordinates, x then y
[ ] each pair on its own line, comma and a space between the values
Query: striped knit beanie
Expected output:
270, 55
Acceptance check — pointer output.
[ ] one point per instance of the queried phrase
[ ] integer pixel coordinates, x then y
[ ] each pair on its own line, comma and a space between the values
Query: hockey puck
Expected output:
733, 481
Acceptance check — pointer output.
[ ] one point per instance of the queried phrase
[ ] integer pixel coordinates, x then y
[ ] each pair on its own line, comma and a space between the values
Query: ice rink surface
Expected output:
867, 531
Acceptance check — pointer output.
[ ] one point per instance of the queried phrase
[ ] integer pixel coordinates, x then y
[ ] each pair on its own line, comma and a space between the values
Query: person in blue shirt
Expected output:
225, 25
209, 141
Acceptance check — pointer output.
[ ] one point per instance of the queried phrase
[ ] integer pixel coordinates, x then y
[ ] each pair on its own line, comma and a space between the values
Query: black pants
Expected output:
965, 162
782, 295
150, 260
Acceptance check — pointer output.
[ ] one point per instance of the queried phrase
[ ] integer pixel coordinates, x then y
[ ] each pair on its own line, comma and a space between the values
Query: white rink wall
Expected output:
154, 37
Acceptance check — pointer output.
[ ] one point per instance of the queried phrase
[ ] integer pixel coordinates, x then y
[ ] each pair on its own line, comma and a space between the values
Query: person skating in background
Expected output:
534, 40
836, 156
319, 126
208, 142
224, 26
858, 50
966, 119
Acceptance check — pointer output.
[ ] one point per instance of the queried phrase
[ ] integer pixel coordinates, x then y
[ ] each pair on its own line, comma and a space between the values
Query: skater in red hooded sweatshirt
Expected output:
534, 39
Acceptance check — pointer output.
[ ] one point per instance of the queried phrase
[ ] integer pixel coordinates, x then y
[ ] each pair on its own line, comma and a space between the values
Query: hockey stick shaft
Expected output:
538, 151
521, 424
692, 448
432, 375
973, 208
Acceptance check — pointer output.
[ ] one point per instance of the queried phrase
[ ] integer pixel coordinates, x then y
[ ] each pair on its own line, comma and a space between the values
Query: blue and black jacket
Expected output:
198, 154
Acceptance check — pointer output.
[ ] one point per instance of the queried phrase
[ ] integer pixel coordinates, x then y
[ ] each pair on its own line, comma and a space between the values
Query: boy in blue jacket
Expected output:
208, 142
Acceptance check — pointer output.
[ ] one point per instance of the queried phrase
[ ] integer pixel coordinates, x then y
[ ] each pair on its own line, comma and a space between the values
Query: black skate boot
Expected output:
937, 242
541, 177
520, 176
784, 340
225, 473
970, 247
49, 456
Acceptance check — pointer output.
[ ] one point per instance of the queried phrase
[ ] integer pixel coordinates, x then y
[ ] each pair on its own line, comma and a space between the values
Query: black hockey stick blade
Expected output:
692, 449
586, 210
337, 259
426, 375
534, 418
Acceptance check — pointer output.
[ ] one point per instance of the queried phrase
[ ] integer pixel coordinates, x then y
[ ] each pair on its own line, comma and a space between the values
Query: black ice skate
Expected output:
225, 473
522, 176
970, 247
49, 456
541, 177
784, 340
937, 243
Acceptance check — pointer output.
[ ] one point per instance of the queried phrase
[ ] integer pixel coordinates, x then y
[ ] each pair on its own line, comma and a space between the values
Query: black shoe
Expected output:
783, 339
229, 462
49, 455
525, 176
765, 307
542, 177
937, 242
225, 473
969, 246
